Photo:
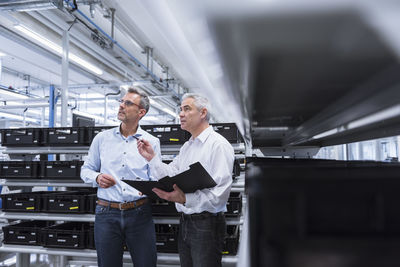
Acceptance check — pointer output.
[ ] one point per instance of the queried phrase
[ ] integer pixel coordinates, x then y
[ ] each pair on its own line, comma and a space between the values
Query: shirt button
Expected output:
124, 153
123, 165
126, 141
123, 189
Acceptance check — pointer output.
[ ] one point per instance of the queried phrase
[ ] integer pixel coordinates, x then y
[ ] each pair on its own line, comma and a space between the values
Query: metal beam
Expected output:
64, 79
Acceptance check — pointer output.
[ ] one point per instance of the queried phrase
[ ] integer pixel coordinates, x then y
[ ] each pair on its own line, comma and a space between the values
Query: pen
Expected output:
137, 138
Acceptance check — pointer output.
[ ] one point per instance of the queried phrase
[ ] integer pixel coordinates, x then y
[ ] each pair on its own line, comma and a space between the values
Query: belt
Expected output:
202, 215
122, 205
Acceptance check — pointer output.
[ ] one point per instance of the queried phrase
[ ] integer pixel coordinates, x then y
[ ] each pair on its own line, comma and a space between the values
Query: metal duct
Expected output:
28, 5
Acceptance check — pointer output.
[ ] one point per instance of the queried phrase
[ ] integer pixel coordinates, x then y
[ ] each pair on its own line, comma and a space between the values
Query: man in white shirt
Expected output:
202, 223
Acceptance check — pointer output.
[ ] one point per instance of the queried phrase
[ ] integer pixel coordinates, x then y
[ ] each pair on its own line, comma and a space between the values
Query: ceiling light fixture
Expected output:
92, 95
168, 111
160, 107
13, 94
325, 134
58, 49
2, 54
16, 117
385, 114
150, 118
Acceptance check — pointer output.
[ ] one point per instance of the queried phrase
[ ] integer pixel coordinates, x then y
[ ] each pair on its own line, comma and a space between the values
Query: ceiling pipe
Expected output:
112, 22
154, 76
50, 19
64, 79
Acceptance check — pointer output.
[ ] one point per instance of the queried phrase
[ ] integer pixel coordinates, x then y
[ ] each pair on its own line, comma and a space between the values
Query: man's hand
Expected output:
105, 180
175, 196
145, 149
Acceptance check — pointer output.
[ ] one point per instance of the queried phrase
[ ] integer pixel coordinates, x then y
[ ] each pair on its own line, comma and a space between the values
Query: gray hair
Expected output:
144, 98
200, 102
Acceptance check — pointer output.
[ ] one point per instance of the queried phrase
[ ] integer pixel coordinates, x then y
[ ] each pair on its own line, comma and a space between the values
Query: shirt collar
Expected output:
202, 137
139, 131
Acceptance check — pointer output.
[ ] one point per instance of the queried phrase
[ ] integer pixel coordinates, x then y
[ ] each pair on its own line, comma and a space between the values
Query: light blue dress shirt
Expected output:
111, 153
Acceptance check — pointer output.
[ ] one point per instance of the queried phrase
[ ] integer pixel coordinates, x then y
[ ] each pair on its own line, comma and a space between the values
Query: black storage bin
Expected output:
19, 169
61, 169
162, 207
167, 133
66, 235
229, 131
234, 204
64, 136
26, 202
231, 242
315, 210
236, 169
90, 241
66, 202
91, 132
25, 233
21, 137
167, 238
91, 202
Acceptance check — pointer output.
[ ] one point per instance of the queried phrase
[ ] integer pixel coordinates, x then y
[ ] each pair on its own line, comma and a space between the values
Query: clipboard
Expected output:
189, 181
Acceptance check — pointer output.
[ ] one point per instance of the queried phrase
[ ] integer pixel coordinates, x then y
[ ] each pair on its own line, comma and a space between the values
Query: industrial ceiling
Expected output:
289, 73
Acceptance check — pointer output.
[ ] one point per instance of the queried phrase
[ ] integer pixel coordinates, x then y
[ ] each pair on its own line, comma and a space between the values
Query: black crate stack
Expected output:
80, 235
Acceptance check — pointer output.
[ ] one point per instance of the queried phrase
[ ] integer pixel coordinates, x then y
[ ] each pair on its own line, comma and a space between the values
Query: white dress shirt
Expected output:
216, 155
114, 154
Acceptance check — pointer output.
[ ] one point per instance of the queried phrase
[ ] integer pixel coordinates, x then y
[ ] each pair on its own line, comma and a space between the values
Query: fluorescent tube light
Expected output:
58, 49
378, 116
370, 119
134, 43
13, 94
28, 105
283, 128
150, 118
16, 117
85, 64
92, 95
325, 134
168, 111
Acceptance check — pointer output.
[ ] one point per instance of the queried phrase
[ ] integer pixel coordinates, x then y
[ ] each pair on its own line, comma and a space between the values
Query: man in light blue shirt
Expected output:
123, 216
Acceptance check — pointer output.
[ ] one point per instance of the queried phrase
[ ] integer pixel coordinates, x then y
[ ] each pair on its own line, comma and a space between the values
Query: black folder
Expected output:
196, 178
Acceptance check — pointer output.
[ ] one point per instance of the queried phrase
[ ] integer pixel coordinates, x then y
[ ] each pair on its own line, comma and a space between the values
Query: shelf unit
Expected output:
90, 217
69, 256
162, 258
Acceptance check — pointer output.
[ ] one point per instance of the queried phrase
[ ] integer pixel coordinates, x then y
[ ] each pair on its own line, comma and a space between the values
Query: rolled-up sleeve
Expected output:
160, 169
221, 169
91, 168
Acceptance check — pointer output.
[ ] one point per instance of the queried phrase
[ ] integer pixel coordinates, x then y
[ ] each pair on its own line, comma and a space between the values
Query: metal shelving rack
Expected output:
88, 256
80, 257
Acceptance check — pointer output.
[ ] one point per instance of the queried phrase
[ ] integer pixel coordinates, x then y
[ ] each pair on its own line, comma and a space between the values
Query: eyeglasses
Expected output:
128, 103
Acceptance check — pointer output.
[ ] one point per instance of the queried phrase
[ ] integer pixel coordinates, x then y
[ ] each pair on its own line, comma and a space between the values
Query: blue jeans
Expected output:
134, 227
201, 240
